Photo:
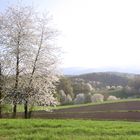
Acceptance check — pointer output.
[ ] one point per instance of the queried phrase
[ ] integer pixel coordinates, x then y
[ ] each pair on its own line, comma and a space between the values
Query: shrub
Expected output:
97, 98
88, 97
112, 98
62, 97
68, 99
80, 98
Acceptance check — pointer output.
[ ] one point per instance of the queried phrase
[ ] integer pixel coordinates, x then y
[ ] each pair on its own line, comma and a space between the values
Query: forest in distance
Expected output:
103, 85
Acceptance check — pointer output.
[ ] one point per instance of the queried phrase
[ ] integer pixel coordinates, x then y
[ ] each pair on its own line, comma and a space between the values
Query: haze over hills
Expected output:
83, 70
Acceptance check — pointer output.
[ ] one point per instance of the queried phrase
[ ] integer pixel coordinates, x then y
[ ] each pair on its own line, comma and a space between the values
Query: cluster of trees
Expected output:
28, 59
78, 91
67, 90
117, 84
71, 92
94, 98
133, 88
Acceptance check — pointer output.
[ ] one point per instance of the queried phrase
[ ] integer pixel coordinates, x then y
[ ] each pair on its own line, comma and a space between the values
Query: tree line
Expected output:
72, 89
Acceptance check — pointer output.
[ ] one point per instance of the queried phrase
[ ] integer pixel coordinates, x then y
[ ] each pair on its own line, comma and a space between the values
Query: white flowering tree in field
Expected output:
16, 38
29, 42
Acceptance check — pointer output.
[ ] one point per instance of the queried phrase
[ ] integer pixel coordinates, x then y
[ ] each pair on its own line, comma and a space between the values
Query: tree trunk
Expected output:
16, 82
14, 110
26, 109
0, 92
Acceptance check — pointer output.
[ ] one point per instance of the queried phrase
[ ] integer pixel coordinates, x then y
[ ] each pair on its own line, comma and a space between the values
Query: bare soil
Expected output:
110, 111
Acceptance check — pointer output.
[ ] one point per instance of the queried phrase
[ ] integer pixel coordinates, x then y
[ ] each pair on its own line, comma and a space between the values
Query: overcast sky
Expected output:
95, 33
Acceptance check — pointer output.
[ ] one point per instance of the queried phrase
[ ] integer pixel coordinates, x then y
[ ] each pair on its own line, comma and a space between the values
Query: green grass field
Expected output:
37, 129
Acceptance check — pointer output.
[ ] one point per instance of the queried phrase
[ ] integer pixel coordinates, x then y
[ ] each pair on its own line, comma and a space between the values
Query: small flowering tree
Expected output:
80, 98
89, 86
112, 98
97, 98
68, 99
62, 96
64, 99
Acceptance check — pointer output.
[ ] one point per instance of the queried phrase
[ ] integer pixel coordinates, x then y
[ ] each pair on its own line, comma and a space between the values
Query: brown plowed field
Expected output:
114, 111
129, 110
116, 106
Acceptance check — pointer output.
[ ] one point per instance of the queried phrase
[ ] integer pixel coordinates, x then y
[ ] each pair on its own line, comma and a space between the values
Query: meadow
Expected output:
48, 129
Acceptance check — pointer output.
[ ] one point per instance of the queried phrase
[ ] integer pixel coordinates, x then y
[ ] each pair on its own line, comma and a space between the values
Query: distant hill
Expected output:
76, 70
107, 78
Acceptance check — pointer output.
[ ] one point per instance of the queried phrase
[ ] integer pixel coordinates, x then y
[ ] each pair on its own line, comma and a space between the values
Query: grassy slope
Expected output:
68, 130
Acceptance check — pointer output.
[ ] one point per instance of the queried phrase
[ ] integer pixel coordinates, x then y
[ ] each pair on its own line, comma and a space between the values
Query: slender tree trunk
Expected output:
16, 83
14, 110
0, 92
26, 110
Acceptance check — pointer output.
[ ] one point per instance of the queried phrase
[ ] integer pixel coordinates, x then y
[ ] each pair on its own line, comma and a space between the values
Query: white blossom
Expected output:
112, 98
97, 98
80, 98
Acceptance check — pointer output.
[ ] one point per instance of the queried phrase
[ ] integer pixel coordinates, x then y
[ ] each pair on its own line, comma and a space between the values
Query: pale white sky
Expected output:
95, 33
